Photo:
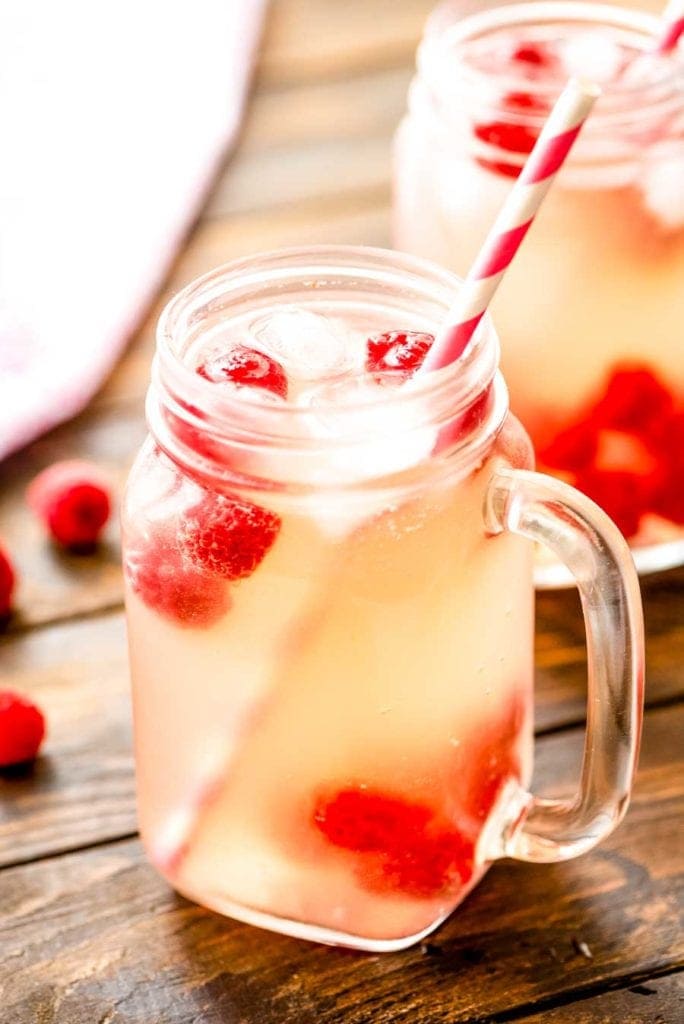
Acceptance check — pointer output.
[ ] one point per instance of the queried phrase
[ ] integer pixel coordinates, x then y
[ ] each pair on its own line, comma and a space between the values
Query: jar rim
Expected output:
199, 424
625, 96
480, 360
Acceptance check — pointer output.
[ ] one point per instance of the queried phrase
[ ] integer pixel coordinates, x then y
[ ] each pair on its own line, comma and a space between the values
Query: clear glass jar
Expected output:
591, 311
330, 616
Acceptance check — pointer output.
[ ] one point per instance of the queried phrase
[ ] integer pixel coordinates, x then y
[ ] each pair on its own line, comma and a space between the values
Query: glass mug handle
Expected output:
590, 545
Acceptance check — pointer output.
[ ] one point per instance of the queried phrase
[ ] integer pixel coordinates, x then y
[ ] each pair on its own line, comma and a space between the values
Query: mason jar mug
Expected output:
328, 567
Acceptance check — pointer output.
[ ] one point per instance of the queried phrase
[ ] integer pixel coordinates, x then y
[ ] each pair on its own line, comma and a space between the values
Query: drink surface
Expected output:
591, 311
332, 685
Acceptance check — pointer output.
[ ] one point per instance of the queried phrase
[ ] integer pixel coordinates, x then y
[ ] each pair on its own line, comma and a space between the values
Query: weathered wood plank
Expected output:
81, 789
324, 139
653, 1001
53, 585
96, 936
306, 39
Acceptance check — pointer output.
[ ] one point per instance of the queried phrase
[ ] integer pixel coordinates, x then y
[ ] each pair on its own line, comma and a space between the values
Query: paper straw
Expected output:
673, 27
552, 147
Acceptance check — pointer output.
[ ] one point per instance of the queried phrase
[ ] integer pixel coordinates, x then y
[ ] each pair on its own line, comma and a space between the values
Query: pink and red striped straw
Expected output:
517, 214
673, 27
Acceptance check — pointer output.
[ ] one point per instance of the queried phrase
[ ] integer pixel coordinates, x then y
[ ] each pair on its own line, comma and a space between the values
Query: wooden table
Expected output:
88, 933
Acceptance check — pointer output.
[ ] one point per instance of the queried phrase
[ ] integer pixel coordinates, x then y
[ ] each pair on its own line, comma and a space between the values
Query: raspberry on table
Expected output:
404, 351
180, 592
228, 536
404, 846
22, 729
246, 367
7, 582
72, 500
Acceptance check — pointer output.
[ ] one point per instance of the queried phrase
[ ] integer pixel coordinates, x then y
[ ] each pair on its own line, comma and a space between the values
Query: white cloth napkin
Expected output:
113, 120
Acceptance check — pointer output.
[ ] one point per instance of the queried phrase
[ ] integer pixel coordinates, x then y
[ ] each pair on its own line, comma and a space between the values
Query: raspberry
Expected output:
7, 581
227, 536
525, 101
247, 367
571, 449
22, 728
406, 846
533, 53
494, 760
516, 138
431, 866
397, 350
184, 594
366, 821
72, 500
668, 500
623, 495
634, 399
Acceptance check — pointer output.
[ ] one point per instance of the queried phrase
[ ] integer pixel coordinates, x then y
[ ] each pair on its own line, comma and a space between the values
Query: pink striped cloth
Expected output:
113, 122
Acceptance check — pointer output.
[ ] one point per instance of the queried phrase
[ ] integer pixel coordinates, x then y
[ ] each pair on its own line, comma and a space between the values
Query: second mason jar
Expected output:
591, 312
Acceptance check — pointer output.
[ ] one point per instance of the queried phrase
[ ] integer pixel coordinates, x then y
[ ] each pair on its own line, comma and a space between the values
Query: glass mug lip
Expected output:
624, 101
445, 392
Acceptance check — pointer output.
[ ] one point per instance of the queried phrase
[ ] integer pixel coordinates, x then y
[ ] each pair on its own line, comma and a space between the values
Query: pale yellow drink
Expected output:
331, 659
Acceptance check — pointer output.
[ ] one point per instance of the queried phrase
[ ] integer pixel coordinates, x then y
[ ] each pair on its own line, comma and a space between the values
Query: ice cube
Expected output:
308, 345
664, 192
374, 440
592, 55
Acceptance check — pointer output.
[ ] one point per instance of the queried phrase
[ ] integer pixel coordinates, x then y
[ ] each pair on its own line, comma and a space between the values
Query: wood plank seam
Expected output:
578, 995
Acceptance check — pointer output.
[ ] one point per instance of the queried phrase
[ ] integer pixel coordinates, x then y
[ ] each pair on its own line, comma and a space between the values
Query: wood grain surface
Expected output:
89, 934
88, 926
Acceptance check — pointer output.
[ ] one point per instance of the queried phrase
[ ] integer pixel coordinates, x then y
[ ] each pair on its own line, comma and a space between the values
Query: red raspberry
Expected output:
397, 350
247, 367
634, 399
571, 449
624, 496
22, 728
366, 821
405, 845
168, 585
227, 536
669, 498
7, 581
533, 53
525, 101
516, 138
72, 500
493, 760
437, 863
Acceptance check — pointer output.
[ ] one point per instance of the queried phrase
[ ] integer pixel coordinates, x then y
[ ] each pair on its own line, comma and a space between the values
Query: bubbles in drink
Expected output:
308, 345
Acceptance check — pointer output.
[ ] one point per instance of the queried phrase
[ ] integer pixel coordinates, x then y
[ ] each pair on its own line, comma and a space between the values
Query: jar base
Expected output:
310, 932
